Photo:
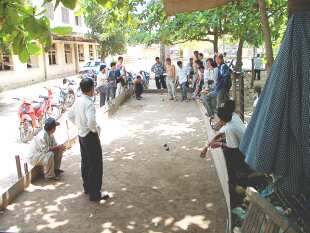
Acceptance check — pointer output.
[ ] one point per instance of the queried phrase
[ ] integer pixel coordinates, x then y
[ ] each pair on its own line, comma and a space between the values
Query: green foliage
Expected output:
111, 22
24, 29
63, 31
239, 20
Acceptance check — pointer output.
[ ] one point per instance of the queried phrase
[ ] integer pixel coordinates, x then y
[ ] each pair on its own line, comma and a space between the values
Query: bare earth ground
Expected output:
154, 190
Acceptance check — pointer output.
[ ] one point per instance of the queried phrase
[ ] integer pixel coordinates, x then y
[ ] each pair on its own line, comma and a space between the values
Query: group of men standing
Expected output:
209, 79
111, 81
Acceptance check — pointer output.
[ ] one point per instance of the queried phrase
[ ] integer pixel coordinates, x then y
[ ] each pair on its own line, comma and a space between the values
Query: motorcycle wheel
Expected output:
26, 131
54, 112
69, 101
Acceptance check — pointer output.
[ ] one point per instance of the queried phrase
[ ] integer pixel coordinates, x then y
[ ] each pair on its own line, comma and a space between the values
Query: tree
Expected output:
267, 33
111, 23
156, 27
24, 29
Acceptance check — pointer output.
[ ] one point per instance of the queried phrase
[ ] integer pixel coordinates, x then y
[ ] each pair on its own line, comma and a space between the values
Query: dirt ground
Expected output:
153, 190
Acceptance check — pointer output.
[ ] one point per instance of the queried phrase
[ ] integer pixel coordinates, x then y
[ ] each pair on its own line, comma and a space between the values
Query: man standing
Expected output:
83, 114
223, 83
159, 71
183, 80
257, 66
102, 84
120, 75
45, 151
112, 81
171, 79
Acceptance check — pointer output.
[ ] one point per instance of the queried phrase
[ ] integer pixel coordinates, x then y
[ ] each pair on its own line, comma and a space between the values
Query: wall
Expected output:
22, 76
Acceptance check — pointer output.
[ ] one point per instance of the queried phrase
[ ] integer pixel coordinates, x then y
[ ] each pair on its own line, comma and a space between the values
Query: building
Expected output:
66, 57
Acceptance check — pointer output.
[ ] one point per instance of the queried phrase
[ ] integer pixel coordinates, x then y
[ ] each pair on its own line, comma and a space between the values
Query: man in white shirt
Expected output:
182, 73
229, 138
45, 151
83, 115
102, 84
257, 66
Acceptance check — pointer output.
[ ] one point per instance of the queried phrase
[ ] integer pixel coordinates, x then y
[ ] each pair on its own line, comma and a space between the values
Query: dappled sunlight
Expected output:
14, 229
51, 186
52, 223
152, 189
171, 129
157, 220
188, 220
68, 196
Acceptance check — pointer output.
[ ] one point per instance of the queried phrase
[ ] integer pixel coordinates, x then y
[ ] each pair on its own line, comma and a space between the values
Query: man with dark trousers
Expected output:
83, 115
159, 70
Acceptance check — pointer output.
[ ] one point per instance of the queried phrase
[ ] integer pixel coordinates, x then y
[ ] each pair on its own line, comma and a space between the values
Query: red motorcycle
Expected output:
33, 113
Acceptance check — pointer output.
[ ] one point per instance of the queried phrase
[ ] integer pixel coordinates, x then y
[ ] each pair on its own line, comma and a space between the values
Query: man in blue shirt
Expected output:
159, 71
223, 82
112, 75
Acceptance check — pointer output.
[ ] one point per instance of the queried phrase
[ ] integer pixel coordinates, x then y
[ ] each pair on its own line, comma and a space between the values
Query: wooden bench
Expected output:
262, 217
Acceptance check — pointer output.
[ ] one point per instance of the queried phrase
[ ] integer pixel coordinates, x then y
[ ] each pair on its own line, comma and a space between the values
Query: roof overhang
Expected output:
173, 7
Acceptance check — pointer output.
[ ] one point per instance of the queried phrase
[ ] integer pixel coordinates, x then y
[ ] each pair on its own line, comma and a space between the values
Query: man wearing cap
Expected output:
83, 115
45, 151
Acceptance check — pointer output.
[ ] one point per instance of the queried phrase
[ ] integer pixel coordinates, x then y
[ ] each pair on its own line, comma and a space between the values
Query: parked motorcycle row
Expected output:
32, 113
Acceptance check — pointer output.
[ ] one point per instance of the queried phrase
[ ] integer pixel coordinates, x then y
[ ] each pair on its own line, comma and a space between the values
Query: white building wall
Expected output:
58, 21
21, 75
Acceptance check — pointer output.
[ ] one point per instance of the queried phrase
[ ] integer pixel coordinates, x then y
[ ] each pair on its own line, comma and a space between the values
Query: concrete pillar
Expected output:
76, 57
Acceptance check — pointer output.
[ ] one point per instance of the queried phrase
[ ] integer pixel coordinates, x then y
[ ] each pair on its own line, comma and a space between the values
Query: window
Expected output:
68, 54
49, 10
98, 52
78, 20
52, 55
33, 62
81, 52
5, 62
91, 51
65, 15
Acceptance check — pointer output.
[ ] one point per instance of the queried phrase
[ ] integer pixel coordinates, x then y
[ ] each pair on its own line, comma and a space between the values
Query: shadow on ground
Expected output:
153, 190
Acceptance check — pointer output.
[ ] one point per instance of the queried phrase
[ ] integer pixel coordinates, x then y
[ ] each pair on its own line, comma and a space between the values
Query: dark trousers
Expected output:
257, 74
160, 82
91, 165
103, 97
237, 172
138, 90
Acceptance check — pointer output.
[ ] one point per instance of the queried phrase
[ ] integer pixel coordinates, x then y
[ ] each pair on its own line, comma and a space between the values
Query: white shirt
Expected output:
234, 131
210, 74
83, 115
40, 148
102, 79
182, 74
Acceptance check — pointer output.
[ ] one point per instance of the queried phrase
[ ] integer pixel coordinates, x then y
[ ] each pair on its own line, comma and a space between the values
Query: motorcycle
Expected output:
92, 75
33, 113
146, 78
66, 95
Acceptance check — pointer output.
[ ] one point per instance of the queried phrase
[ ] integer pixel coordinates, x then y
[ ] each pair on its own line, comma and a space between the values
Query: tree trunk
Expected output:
216, 42
267, 33
239, 54
298, 5
162, 55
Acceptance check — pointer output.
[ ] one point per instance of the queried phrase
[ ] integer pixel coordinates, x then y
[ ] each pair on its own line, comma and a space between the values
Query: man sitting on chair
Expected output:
45, 151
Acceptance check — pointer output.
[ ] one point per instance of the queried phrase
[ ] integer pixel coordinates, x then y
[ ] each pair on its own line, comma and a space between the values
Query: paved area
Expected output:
9, 125
154, 190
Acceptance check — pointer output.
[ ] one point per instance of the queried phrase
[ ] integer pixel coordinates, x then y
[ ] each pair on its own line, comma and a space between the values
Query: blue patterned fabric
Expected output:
277, 139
